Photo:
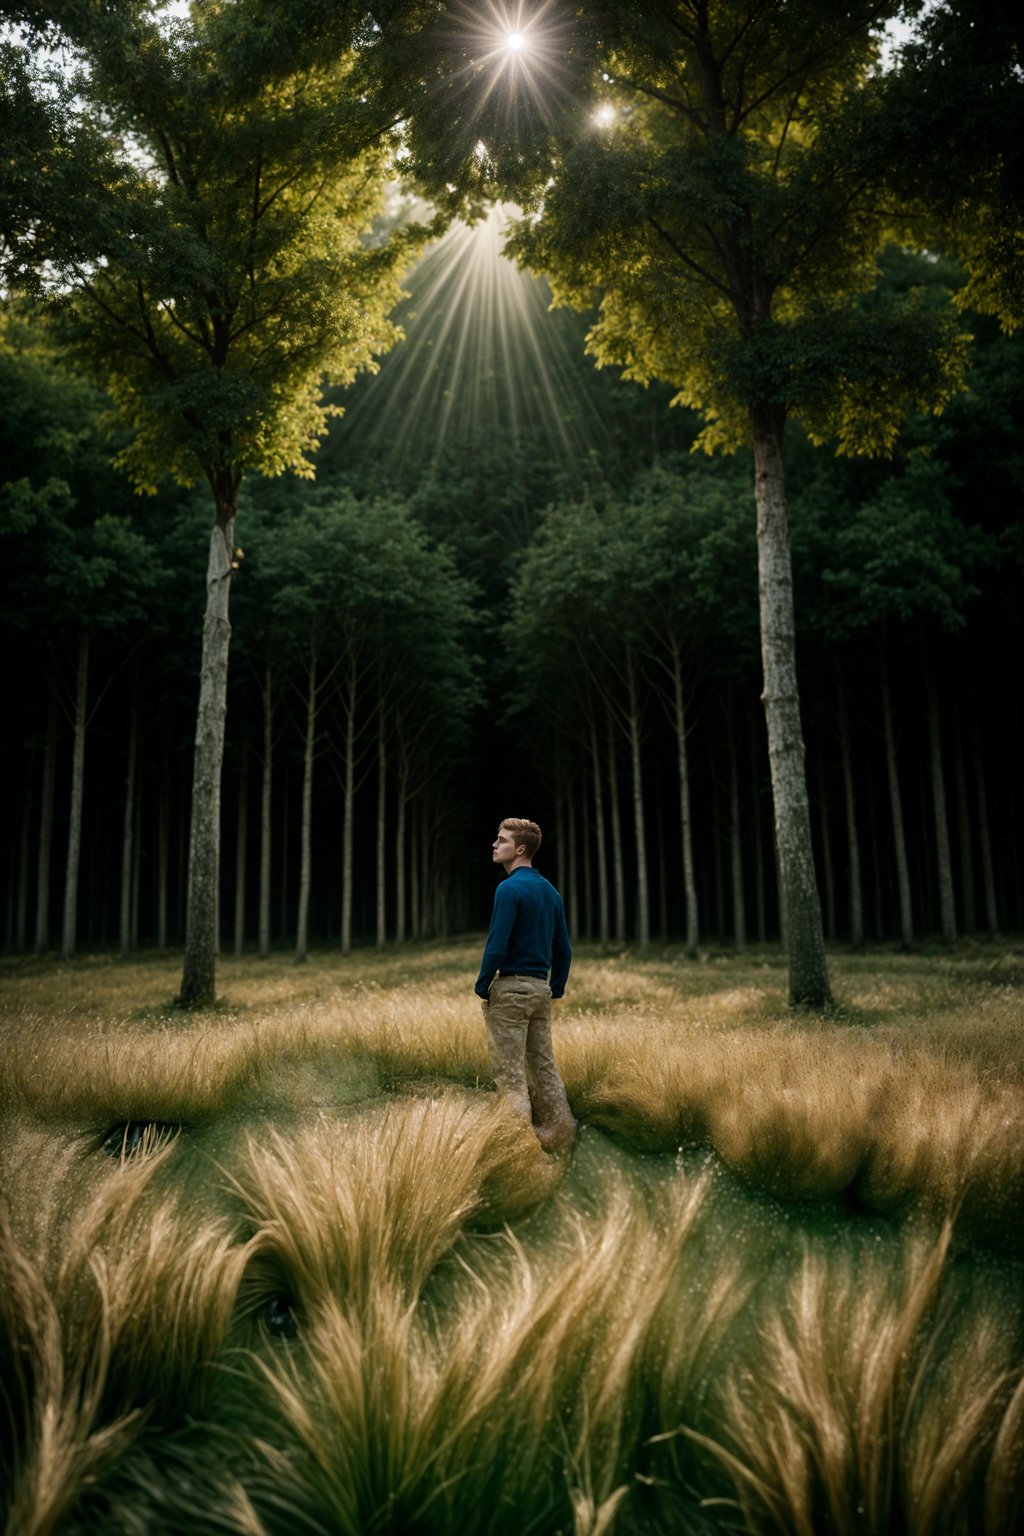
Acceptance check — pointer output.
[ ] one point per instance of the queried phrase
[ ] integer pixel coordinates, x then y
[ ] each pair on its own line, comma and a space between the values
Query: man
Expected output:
526, 964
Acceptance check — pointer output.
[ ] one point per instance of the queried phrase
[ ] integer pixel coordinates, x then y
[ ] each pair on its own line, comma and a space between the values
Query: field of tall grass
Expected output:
287, 1268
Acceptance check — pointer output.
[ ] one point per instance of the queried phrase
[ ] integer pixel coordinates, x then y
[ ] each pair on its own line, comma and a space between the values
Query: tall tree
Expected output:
212, 256
709, 172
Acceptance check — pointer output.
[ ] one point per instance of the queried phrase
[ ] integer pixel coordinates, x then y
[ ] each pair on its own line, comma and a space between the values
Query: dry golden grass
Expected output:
288, 1267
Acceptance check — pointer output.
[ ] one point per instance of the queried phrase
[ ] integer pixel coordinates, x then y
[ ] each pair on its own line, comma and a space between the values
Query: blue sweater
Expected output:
528, 933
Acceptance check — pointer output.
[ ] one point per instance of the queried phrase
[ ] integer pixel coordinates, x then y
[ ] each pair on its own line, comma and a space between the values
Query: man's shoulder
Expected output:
540, 884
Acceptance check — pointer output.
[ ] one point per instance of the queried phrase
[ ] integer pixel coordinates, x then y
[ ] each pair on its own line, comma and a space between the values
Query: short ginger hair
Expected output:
526, 833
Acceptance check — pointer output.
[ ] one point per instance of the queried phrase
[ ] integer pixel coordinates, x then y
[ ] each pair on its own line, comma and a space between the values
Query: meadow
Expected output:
287, 1267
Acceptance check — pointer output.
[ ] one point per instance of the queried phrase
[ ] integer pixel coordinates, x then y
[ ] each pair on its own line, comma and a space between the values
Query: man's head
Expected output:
516, 843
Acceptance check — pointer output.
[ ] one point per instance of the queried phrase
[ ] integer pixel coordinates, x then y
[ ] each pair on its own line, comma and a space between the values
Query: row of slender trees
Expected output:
392, 692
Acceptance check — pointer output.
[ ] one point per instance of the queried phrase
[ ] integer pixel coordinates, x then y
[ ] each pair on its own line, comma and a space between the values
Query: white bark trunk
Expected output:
347, 860
306, 833
70, 924
199, 978
808, 973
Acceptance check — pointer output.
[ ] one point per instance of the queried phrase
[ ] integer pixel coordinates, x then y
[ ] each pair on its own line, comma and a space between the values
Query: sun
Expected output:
515, 41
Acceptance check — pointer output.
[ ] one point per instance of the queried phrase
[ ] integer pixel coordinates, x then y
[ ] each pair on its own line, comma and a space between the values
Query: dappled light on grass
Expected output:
328, 1284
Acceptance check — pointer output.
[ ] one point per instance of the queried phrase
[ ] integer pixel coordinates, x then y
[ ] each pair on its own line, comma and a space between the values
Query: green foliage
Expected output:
360, 580
727, 219
904, 555
72, 557
953, 114
213, 255
667, 564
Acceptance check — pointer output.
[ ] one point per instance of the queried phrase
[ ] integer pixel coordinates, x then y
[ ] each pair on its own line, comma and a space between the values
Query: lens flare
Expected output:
515, 41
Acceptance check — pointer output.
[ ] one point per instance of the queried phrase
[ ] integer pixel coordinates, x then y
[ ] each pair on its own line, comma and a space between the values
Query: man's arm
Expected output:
561, 954
496, 948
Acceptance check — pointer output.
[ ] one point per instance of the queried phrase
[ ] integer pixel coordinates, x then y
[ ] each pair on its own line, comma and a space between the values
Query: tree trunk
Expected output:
643, 895
856, 894
70, 926
285, 854
602, 852
42, 937
127, 831
241, 849
739, 916
266, 825
348, 815
199, 978
136, 867
401, 813
944, 859
896, 806
685, 816
163, 849
382, 873
661, 843
808, 973
306, 833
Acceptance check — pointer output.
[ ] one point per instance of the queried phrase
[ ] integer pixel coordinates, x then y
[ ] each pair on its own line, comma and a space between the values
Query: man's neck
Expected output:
510, 869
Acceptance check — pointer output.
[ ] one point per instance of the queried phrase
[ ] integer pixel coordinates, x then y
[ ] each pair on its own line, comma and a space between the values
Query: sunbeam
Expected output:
481, 349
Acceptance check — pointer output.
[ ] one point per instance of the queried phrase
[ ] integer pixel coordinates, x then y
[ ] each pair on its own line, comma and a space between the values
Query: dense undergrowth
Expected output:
287, 1267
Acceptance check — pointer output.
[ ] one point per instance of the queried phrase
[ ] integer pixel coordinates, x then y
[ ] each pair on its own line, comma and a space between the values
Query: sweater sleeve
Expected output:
561, 954
496, 948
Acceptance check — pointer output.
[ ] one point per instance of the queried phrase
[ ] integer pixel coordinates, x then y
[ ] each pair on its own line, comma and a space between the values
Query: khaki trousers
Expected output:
518, 1019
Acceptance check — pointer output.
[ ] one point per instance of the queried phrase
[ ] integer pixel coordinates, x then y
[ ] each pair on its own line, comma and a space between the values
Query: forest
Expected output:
492, 621
516, 585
